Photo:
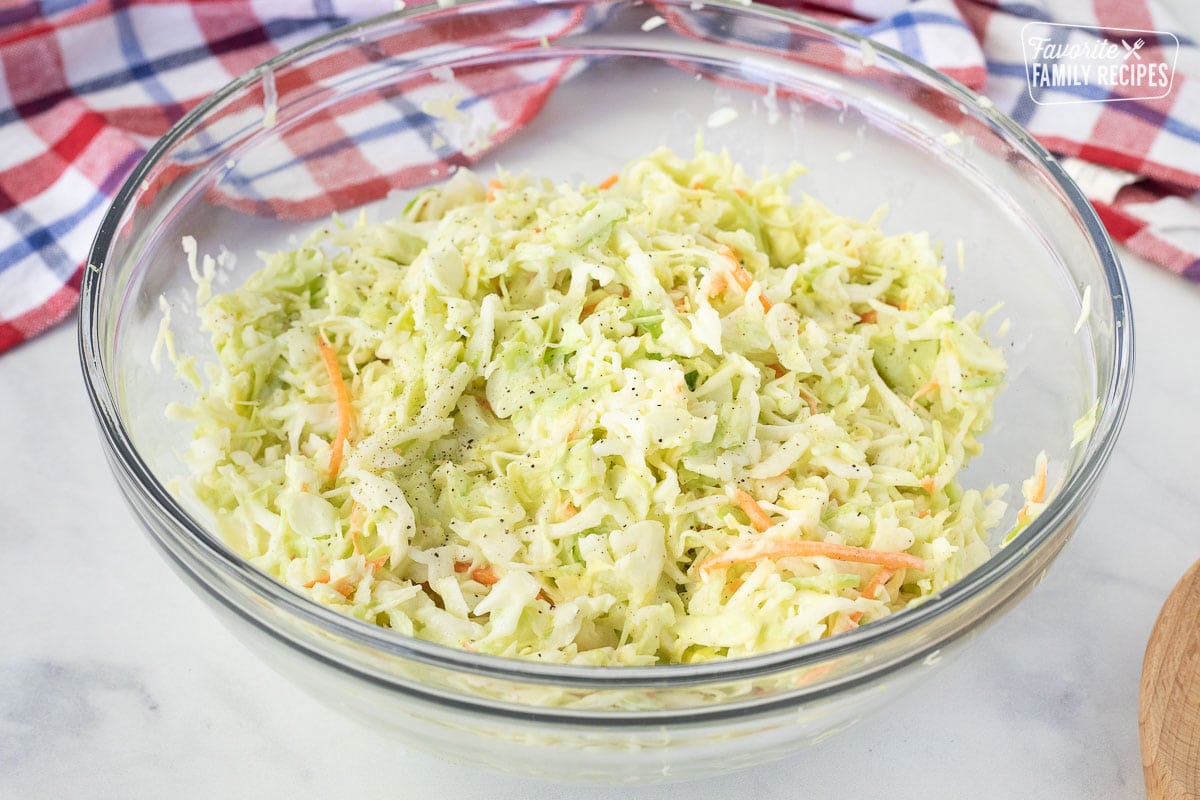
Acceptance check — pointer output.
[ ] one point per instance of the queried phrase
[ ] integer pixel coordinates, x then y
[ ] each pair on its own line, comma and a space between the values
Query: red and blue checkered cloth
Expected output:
86, 86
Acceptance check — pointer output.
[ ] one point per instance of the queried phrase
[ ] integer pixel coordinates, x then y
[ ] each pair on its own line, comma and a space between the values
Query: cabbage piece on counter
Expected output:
670, 417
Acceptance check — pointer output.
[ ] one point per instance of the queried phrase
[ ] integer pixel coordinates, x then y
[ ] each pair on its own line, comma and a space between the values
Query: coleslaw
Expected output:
669, 417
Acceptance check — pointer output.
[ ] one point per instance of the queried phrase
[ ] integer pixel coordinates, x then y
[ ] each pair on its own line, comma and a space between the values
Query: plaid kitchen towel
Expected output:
86, 88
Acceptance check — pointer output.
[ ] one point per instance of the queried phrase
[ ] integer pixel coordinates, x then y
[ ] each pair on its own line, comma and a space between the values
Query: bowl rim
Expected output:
219, 558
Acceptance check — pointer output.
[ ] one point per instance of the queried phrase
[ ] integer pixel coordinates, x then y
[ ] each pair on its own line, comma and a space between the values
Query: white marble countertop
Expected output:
115, 681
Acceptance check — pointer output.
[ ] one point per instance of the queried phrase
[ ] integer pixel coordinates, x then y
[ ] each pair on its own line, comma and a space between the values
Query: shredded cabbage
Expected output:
558, 395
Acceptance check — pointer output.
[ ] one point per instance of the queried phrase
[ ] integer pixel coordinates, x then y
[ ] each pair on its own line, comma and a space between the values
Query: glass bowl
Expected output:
365, 115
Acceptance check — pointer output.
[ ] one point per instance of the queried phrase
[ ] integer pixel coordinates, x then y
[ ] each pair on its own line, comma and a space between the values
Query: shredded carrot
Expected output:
812, 402
608, 182
816, 673
541, 595
586, 311
343, 405
743, 278
485, 575
924, 513
344, 589
928, 484
493, 185
569, 510
846, 623
1038, 495
877, 580
789, 548
462, 566
739, 191
373, 564
778, 370
735, 585
868, 316
758, 517
924, 390
696, 184
717, 284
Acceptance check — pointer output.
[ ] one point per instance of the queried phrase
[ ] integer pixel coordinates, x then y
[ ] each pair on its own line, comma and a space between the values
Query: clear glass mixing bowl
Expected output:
393, 104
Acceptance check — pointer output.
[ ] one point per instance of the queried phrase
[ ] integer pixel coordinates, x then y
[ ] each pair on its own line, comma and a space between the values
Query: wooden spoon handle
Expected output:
1169, 705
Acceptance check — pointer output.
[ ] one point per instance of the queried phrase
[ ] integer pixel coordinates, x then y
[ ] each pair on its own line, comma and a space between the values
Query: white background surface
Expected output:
116, 682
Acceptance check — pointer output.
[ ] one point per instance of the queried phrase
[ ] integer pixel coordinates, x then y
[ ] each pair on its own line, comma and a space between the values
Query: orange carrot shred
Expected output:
344, 589
1039, 487
740, 192
877, 580
608, 182
493, 185
485, 575
789, 548
868, 316
343, 405
743, 278
1038, 495
778, 369
813, 408
924, 513
932, 386
717, 284
462, 566
928, 484
758, 517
